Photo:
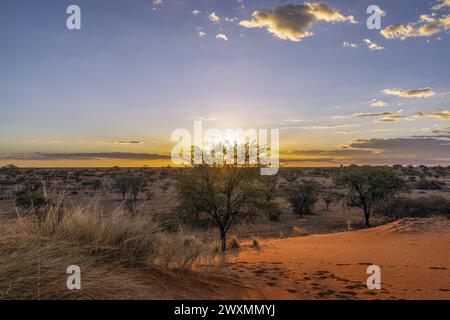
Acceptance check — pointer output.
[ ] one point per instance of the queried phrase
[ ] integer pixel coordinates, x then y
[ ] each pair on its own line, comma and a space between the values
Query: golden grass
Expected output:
113, 251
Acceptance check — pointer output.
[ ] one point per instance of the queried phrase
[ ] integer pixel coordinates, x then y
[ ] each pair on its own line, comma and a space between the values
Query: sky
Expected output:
112, 92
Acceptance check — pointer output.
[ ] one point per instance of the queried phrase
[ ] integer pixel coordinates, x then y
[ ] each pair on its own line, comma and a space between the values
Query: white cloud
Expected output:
222, 36
372, 45
349, 45
200, 32
378, 103
214, 18
195, 12
413, 93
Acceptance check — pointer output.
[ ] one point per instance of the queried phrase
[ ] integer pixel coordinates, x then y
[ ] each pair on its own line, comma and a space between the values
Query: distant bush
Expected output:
32, 199
402, 207
233, 243
255, 243
302, 196
430, 185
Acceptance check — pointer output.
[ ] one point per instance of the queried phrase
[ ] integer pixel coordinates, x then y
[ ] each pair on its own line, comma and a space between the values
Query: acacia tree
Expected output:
367, 186
222, 192
302, 196
330, 196
269, 192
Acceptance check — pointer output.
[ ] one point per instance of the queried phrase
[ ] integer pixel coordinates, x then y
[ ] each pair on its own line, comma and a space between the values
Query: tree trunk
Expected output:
367, 217
223, 241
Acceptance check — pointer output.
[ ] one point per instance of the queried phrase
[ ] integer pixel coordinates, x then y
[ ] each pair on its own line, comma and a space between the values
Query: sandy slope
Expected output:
414, 256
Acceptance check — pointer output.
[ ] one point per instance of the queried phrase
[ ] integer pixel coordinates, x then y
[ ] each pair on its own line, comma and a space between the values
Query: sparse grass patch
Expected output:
233, 243
255, 243
296, 231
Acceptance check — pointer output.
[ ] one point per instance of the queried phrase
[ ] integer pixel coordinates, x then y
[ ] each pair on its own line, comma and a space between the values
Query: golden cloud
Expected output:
292, 22
413, 93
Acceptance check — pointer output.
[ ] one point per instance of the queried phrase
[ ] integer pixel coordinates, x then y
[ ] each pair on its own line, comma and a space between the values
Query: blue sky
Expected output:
137, 70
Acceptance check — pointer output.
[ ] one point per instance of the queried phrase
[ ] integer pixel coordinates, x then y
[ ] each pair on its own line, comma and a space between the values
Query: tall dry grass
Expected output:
116, 253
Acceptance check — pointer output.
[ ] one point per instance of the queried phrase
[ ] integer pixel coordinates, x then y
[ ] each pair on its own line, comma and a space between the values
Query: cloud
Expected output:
200, 32
364, 115
436, 132
230, 19
207, 118
398, 31
45, 141
426, 26
349, 45
195, 12
443, 115
293, 120
157, 2
413, 93
222, 36
83, 156
292, 22
372, 45
330, 126
214, 18
120, 142
441, 4
378, 103
410, 150
440, 115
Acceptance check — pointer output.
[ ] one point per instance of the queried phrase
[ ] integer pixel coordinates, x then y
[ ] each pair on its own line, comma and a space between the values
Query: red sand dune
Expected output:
413, 254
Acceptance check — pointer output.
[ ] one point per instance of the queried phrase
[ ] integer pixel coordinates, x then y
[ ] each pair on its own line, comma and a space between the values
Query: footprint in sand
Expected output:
356, 286
326, 293
291, 290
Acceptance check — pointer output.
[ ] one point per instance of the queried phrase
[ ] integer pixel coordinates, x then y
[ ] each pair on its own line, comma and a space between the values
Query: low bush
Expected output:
401, 207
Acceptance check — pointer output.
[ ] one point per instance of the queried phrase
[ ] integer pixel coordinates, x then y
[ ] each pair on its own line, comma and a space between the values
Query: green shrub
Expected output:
32, 199
429, 185
402, 207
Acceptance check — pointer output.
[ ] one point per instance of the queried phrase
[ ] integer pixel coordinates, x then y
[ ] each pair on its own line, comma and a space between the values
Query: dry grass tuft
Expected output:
112, 251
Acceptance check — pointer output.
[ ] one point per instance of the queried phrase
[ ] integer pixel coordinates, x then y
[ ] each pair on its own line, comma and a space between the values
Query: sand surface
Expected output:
413, 254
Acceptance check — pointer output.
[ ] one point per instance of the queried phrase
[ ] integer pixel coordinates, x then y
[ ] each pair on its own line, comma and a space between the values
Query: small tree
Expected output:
222, 192
330, 196
129, 187
121, 185
269, 192
368, 185
302, 196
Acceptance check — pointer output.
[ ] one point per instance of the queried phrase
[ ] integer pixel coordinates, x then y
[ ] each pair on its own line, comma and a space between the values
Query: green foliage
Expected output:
430, 185
402, 207
330, 196
129, 187
33, 199
302, 196
367, 186
221, 193
269, 192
